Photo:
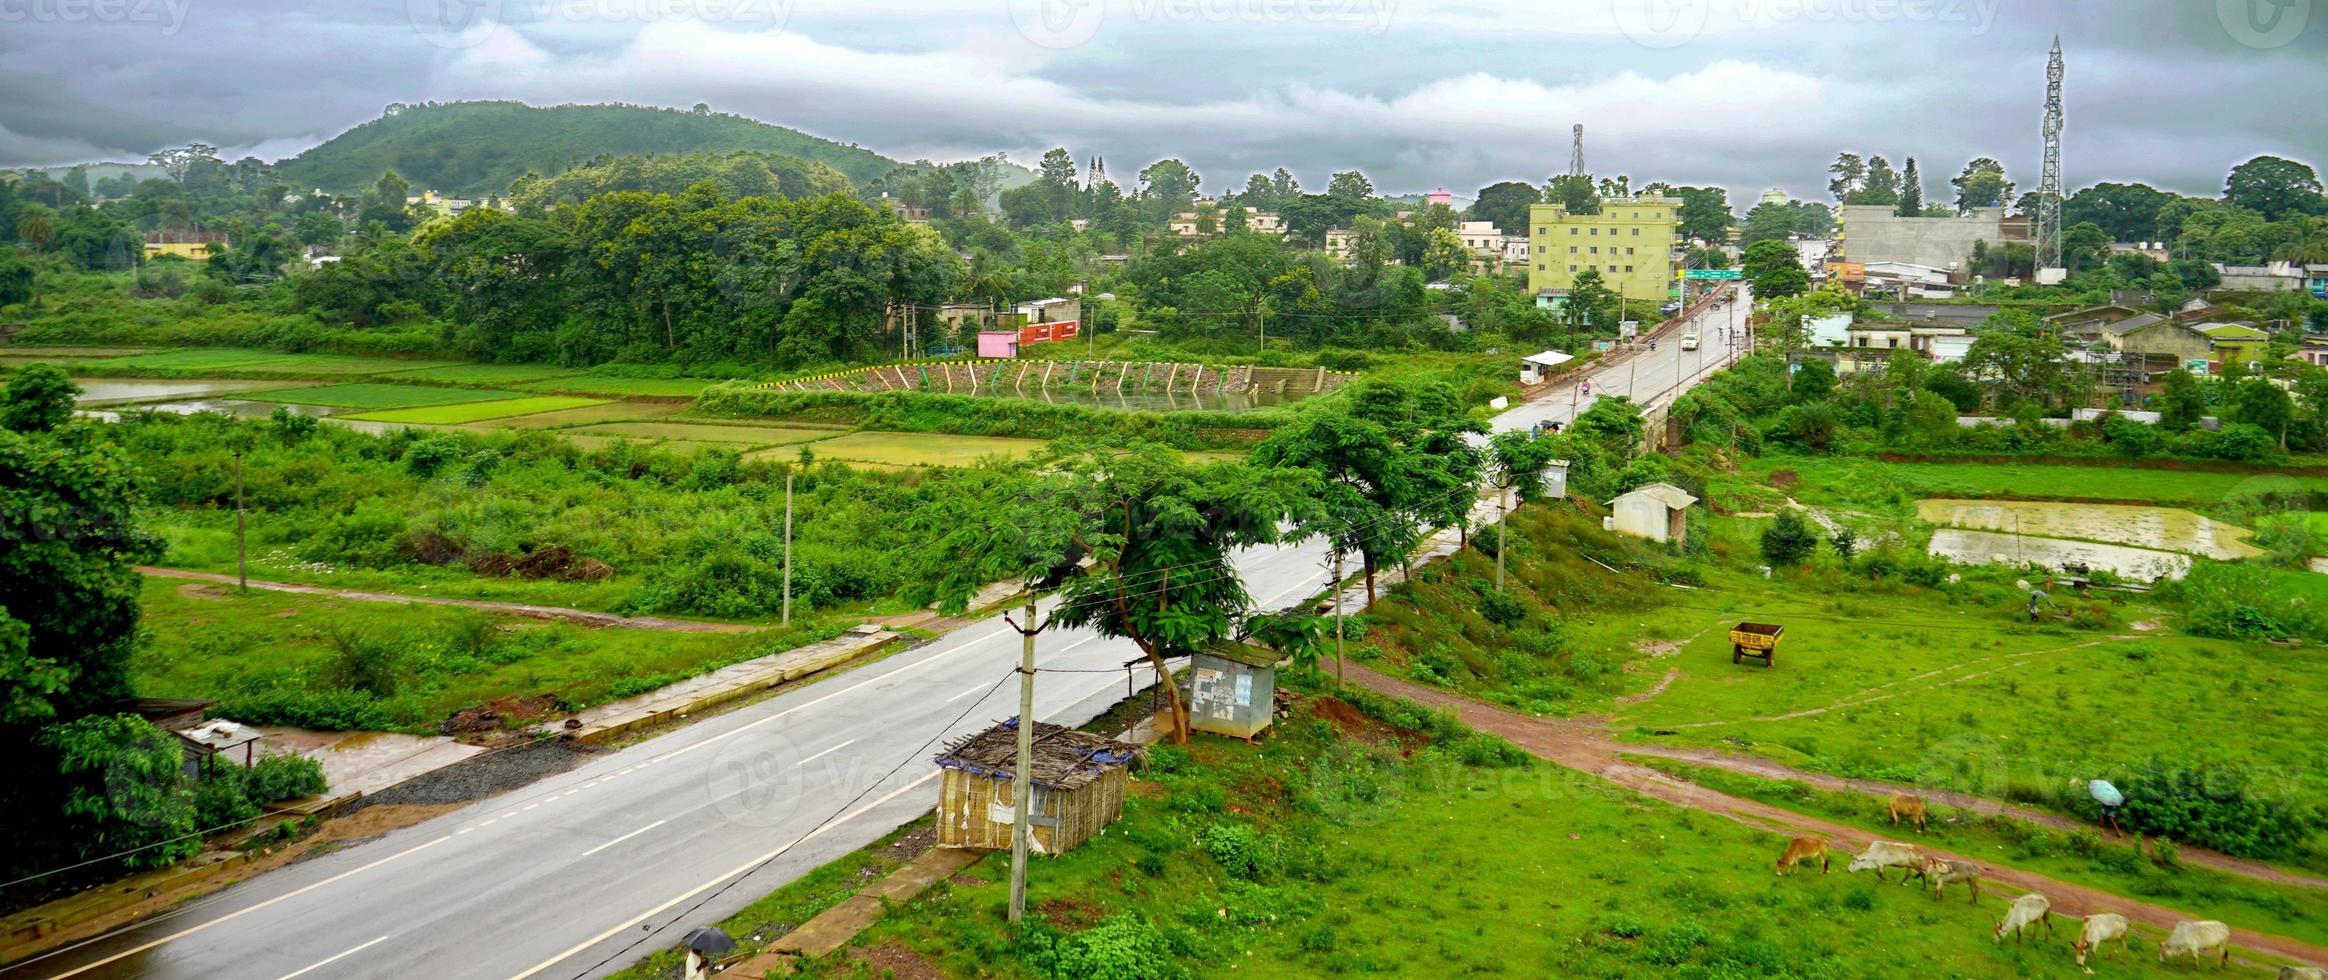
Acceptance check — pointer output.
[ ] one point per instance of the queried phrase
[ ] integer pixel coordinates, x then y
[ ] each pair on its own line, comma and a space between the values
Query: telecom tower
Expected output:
2047, 229
1576, 152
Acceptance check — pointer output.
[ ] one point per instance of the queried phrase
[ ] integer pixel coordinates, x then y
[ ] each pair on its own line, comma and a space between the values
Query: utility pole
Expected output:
242, 558
1503, 510
787, 549
1022, 790
1339, 659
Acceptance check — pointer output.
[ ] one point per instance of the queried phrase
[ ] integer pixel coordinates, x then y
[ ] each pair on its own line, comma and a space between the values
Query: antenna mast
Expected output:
2048, 224
1576, 152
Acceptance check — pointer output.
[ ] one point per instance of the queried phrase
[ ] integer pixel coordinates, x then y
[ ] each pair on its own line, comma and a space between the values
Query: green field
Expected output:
1874, 481
227, 359
488, 374
622, 387
370, 395
738, 435
1355, 849
478, 411
679, 446
266, 655
600, 412
923, 448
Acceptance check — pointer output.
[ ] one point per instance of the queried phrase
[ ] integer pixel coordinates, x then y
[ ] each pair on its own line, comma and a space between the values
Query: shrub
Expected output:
1788, 540
285, 777
1502, 608
1239, 849
1125, 946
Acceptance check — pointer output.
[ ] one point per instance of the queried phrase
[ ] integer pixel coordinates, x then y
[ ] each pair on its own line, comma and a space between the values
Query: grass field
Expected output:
209, 641
1328, 850
621, 387
923, 449
369, 395
488, 374
600, 412
478, 411
737, 435
680, 446
1874, 481
227, 359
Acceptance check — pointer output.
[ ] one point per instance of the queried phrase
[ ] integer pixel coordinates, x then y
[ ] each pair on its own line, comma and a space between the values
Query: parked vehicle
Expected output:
1689, 341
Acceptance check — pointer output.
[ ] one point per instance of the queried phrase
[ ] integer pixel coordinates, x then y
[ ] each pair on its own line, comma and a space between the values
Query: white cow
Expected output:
2194, 939
1885, 854
2029, 909
2100, 927
2302, 973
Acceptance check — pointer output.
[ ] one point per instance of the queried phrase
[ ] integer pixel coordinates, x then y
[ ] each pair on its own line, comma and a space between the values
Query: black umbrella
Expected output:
708, 940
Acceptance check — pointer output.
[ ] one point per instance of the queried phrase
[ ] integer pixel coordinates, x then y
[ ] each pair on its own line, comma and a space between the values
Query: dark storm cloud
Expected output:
1745, 93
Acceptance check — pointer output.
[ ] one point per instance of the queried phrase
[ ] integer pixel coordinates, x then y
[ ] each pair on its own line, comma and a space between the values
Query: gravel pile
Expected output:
484, 775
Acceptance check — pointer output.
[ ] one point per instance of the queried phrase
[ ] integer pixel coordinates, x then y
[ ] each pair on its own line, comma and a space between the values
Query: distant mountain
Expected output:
474, 149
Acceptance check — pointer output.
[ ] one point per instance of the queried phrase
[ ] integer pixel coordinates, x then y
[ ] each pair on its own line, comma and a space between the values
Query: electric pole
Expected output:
787, 549
1503, 510
1339, 659
242, 558
1022, 790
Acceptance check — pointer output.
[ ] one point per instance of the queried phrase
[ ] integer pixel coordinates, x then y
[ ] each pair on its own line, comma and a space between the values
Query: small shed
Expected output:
218, 738
1658, 512
998, 343
1079, 787
1232, 689
1534, 367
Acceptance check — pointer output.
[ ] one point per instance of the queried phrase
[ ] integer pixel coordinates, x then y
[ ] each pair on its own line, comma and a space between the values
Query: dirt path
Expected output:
1582, 748
1886, 691
582, 616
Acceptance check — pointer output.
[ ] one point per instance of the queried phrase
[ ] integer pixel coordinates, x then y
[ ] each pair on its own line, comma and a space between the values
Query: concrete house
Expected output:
2235, 343
1658, 512
2162, 343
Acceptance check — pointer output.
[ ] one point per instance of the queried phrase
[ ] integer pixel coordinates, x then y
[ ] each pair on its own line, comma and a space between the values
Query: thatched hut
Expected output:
1079, 787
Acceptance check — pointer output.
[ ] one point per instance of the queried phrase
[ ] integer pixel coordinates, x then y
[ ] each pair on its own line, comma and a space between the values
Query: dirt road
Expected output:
582, 616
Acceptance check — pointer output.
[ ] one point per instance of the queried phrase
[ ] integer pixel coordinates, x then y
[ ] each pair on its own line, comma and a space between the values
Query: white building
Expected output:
1658, 512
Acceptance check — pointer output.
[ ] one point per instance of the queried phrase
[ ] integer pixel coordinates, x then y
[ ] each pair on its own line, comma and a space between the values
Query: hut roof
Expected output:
1249, 654
1065, 759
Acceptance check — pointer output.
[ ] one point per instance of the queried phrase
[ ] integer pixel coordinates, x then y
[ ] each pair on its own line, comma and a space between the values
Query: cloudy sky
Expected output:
1417, 93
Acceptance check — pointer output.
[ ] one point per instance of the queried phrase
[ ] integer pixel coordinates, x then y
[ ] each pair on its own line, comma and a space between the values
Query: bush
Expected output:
285, 777
1502, 608
1240, 850
1788, 540
1125, 946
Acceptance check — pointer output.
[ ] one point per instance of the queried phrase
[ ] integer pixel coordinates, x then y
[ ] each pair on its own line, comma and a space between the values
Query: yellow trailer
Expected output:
1755, 640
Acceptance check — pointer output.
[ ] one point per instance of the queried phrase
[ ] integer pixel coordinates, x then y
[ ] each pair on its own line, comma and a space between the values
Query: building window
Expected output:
1628, 268
1628, 250
1539, 267
1572, 267
1572, 250
1540, 232
1636, 232
1595, 250
1572, 231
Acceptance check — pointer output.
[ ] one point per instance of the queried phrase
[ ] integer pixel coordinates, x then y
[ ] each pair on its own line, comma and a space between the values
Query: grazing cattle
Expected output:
2100, 927
1909, 808
1940, 871
1803, 849
2194, 939
1885, 854
2302, 973
2027, 910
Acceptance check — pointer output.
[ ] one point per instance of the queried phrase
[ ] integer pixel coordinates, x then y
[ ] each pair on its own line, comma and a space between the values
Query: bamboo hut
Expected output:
1078, 781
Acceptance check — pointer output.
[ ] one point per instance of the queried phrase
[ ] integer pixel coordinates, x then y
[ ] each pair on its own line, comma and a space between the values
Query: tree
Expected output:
67, 556
1516, 462
2129, 212
18, 282
2275, 187
1982, 185
1350, 185
1505, 204
1159, 533
1705, 213
1769, 222
124, 789
1882, 185
185, 161
1774, 268
1575, 193
38, 399
384, 204
1444, 254
1167, 187
1788, 540
2265, 405
2020, 360
2084, 246
2180, 402
1911, 191
1850, 174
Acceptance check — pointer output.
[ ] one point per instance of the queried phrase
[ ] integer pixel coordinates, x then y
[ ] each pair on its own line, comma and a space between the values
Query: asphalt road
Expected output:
1650, 376
586, 871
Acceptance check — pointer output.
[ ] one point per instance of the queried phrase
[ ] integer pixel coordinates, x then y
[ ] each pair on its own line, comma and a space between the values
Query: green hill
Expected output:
473, 149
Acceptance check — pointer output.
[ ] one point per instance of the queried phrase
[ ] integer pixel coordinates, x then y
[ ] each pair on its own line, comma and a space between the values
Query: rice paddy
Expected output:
372, 395
456, 414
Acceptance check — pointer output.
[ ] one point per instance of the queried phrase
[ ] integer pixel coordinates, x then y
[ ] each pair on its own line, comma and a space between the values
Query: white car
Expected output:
1689, 341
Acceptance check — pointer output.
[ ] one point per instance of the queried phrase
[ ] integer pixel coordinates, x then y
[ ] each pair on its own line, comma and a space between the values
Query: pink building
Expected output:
1439, 196
998, 343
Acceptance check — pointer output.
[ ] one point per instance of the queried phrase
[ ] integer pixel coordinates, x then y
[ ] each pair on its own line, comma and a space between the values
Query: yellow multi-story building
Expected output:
1630, 241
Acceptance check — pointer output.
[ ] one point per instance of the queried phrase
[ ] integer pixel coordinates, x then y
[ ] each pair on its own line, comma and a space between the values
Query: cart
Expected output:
1755, 640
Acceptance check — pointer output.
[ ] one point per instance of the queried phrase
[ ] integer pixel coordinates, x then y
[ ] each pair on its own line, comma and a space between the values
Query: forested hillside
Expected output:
476, 148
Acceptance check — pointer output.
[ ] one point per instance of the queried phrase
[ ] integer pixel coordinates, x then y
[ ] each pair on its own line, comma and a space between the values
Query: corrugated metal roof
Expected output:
1671, 496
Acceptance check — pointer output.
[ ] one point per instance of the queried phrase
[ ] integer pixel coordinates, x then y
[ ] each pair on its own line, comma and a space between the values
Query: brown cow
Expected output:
1803, 849
1910, 808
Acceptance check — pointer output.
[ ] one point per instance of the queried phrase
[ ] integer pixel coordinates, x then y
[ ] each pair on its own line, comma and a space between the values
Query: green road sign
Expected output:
1711, 274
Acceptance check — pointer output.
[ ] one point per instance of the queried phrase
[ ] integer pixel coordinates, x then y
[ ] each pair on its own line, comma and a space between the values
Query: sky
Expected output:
1747, 94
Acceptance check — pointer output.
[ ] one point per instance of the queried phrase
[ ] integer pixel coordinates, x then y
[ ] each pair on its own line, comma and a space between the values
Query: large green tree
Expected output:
1505, 205
1982, 184
2275, 187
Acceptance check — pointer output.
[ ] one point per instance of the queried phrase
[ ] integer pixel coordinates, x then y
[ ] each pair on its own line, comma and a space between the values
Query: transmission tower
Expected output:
2047, 230
1576, 152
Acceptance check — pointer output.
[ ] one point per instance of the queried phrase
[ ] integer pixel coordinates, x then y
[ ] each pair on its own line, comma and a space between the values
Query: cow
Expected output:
1942, 871
2027, 910
2195, 938
1902, 806
2302, 973
1885, 854
1803, 849
2100, 927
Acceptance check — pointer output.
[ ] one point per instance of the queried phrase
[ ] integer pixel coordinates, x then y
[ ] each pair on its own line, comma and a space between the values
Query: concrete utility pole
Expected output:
1339, 659
1022, 787
242, 557
1503, 510
787, 549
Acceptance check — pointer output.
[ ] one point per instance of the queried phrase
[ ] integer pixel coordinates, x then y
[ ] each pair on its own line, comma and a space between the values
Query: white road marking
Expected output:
699, 889
973, 690
624, 837
334, 959
829, 751
238, 913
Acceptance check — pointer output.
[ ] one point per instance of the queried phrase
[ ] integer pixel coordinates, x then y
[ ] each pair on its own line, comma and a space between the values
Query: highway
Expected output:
584, 872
